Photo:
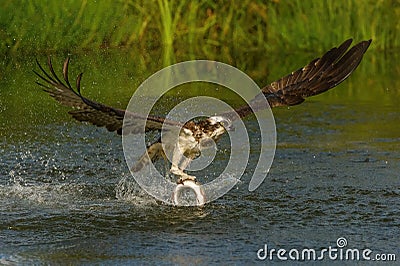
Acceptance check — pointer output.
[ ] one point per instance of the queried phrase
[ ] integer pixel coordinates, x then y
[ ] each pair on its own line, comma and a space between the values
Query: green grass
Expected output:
204, 28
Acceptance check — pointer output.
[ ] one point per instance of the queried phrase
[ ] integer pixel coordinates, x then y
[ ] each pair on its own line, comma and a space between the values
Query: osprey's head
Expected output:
222, 121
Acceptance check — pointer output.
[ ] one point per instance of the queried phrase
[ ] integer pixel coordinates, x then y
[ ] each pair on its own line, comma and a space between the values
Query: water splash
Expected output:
128, 190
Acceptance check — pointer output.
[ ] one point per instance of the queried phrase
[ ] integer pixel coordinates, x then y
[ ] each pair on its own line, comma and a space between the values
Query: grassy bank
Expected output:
203, 28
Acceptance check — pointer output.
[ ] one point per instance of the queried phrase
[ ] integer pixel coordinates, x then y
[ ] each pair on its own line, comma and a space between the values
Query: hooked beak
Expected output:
230, 128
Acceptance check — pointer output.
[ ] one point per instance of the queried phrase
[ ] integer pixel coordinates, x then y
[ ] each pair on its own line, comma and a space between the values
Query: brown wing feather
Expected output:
98, 114
320, 75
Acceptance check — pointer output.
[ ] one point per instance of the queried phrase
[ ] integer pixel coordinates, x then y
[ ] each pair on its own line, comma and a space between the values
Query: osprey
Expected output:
320, 75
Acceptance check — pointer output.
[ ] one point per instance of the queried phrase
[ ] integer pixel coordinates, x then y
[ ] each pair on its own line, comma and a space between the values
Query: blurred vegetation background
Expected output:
204, 27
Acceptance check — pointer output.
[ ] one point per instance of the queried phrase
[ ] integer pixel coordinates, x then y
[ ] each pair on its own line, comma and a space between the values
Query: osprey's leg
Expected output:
176, 162
176, 158
185, 162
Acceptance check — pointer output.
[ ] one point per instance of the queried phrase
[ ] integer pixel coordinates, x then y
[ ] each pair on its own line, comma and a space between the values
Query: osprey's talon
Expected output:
183, 178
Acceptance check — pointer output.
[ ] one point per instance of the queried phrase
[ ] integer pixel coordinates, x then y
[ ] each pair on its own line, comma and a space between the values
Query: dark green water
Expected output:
66, 195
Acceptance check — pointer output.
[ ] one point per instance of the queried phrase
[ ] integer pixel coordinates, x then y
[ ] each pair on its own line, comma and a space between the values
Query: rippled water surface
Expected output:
66, 195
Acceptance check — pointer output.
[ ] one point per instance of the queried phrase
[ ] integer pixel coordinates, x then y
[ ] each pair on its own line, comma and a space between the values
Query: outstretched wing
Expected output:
98, 114
320, 75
